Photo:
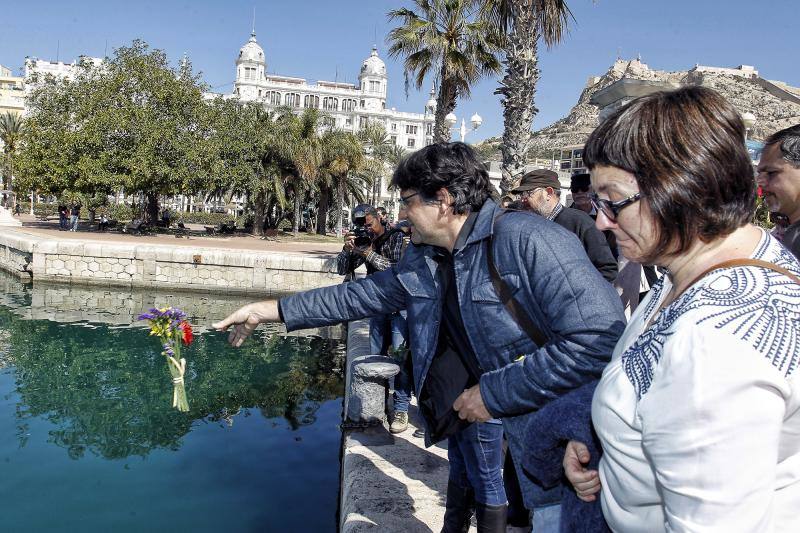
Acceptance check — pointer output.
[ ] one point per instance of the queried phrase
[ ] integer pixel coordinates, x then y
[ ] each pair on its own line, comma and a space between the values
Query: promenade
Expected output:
316, 245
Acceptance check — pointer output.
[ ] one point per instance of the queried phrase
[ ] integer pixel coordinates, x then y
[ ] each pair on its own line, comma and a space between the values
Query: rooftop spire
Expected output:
253, 32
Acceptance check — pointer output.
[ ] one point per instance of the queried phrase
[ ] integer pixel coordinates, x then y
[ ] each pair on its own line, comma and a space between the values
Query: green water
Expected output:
89, 441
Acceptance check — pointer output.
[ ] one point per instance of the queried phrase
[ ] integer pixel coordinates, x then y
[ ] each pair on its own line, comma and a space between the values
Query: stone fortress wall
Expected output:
160, 266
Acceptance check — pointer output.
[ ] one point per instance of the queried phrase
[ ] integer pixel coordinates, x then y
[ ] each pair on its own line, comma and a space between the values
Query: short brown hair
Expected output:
686, 150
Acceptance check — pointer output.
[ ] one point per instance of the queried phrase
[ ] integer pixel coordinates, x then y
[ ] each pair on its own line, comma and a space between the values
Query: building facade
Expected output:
346, 106
12, 92
57, 69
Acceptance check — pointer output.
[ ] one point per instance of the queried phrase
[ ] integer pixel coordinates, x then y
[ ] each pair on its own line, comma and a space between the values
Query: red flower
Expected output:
188, 336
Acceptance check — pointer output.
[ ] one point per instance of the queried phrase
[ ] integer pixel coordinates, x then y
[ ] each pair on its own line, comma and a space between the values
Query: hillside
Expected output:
775, 104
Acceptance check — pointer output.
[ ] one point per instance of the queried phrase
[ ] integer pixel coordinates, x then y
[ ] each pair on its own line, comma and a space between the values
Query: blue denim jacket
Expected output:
545, 265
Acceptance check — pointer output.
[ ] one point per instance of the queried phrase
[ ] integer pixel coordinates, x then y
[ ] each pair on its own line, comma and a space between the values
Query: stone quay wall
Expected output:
16, 253
143, 265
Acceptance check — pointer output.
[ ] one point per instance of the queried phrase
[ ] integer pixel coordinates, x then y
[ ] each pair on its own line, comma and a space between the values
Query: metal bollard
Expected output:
368, 387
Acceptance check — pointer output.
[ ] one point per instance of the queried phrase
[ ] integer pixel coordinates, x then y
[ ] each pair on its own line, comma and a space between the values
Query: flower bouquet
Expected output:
170, 325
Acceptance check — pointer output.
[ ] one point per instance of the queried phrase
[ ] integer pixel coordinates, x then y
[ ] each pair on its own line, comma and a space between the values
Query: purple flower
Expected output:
169, 313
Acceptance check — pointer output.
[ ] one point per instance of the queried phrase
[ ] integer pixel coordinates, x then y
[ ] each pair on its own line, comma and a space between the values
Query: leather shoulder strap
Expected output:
732, 263
504, 293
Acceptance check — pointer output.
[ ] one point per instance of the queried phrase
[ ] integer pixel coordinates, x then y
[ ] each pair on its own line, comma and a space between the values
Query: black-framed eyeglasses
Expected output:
611, 209
404, 199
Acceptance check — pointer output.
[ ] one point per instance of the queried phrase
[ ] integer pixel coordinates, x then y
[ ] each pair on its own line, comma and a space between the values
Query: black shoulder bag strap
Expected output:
505, 294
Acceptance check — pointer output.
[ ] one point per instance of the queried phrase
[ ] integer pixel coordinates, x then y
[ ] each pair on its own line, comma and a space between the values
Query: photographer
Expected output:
370, 243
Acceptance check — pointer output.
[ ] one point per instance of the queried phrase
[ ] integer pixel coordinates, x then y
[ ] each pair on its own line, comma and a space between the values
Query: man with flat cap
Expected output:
539, 191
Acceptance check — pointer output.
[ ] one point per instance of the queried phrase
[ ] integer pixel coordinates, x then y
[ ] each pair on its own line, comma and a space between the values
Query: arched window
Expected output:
348, 104
273, 98
311, 101
330, 103
292, 99
329, 122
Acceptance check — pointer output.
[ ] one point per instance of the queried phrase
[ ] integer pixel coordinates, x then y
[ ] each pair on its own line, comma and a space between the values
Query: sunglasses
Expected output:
579, 189
611, 209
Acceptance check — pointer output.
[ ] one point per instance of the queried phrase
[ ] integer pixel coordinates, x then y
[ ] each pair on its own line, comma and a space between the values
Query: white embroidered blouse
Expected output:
699, 414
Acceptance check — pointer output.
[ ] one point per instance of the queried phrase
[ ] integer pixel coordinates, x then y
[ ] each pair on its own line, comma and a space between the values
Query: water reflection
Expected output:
106, 389
118, 306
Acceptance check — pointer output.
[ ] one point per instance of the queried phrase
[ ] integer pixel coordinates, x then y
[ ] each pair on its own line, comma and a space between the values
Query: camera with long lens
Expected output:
361, 233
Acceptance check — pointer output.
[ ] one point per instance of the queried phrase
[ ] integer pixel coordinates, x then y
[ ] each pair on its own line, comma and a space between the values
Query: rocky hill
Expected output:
775, 104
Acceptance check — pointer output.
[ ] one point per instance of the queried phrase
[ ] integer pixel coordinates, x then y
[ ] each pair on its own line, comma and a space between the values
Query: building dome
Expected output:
373, 65
251, 51
431, 104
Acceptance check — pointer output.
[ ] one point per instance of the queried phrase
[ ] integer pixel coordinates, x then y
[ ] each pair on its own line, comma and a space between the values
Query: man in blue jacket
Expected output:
477, 372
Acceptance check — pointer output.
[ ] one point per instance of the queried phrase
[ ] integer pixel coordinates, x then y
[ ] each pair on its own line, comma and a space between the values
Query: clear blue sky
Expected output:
316, 38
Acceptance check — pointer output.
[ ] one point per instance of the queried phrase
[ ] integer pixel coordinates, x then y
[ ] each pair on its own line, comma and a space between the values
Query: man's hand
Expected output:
585, 482
246, 319
349, 242
470, 405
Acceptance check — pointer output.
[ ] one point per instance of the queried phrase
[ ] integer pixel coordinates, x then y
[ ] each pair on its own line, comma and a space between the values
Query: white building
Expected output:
348, 107
12, 94
57, 69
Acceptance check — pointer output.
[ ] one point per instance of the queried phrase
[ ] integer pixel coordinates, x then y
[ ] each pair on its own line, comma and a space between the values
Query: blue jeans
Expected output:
547, 519
73, 222
394, 324
476, 460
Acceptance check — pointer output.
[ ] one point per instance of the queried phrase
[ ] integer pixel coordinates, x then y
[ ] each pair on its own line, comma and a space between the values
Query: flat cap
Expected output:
537, 178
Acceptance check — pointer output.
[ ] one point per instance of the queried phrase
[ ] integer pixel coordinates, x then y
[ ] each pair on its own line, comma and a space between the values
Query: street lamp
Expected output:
749, 120
475, 121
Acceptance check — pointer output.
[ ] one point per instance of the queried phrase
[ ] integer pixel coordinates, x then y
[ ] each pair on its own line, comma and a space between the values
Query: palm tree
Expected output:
344, 170
269, 189
523, 23
10, 133
393, 156
376, 145
446, 39
305, 152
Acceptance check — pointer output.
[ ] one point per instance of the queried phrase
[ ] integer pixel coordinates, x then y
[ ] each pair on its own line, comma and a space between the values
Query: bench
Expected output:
109, 224
225, 228
134, 227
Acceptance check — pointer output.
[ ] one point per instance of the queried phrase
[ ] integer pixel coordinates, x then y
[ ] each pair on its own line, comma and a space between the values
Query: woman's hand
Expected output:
586, 482
246, 319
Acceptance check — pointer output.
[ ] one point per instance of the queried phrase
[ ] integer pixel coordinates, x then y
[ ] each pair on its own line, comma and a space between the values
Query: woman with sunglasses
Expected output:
698, 412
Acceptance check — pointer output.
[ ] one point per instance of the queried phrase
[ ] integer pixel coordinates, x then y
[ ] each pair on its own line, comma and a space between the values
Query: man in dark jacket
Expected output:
464, 243
540, 192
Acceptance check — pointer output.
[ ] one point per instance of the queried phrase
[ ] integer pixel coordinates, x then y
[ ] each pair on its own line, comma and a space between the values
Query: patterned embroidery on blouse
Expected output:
655, 296
757, 305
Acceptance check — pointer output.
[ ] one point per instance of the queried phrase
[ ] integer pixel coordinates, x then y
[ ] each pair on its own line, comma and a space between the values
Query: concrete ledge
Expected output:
161, 265
390, 483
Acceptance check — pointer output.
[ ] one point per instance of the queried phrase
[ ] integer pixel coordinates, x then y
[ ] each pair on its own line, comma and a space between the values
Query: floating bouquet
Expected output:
170, 325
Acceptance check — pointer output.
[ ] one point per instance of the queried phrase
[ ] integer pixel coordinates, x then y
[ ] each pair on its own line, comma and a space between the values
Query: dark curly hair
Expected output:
453, 166
686, 150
